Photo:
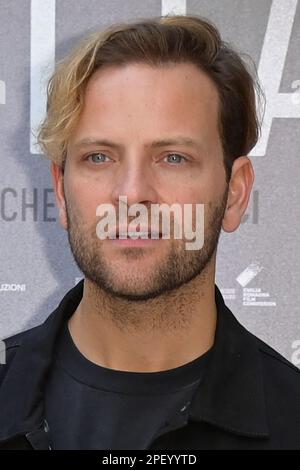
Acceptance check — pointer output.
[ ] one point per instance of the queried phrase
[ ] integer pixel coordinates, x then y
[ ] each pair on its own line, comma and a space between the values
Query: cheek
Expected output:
191, 192
209, 186
83, 200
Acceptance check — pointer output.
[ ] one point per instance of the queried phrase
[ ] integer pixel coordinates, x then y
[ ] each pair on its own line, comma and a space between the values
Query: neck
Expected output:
146, 336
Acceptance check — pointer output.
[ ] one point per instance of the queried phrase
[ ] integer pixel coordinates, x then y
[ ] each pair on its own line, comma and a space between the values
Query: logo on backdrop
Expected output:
249, 294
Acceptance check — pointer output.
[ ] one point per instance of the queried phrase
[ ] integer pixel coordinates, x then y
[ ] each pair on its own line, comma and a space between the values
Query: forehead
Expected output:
169, 98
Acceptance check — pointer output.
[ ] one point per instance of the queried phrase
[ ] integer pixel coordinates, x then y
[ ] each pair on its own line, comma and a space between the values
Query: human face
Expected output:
127, 111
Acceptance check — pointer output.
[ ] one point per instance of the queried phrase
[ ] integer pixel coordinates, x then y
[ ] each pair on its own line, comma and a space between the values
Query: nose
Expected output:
135, 179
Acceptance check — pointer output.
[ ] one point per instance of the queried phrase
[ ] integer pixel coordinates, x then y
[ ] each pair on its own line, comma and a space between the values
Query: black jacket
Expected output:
249, 398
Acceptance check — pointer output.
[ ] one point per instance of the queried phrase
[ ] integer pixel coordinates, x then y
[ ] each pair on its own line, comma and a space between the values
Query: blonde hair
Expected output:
155, 41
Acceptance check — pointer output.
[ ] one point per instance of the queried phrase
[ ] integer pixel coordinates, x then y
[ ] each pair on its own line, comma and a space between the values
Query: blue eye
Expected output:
94, 157
178, 158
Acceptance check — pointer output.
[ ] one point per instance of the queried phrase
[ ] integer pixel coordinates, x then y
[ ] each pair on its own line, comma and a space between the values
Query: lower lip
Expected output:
132, 242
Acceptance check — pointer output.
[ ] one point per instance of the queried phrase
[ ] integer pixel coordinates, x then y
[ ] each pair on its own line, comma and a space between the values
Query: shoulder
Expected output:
281, 382
274, 364
9, 348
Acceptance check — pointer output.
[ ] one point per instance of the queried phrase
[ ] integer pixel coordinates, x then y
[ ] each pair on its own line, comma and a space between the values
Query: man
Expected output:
143, 353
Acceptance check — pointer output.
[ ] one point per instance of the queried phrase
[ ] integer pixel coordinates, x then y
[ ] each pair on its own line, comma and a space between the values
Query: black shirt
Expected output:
89, 406
248, 398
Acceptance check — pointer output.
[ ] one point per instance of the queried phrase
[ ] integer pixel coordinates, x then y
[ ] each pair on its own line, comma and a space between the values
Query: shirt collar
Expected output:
230, 396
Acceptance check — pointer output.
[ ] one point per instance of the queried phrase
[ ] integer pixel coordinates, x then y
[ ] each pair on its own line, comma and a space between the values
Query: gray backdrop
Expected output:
258, 266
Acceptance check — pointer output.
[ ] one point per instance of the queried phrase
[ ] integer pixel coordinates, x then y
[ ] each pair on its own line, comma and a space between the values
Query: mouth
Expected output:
144, 235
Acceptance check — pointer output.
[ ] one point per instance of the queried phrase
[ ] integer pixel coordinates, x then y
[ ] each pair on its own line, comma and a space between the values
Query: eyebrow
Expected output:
179, 140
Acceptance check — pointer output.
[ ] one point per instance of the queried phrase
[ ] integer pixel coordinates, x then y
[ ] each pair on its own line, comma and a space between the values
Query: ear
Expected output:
240, 186
58, 184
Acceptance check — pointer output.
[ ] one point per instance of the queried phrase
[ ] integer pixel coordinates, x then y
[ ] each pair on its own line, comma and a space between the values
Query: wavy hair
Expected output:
157, 41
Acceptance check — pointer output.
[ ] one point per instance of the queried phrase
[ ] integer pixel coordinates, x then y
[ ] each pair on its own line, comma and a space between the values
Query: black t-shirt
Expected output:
88, 406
